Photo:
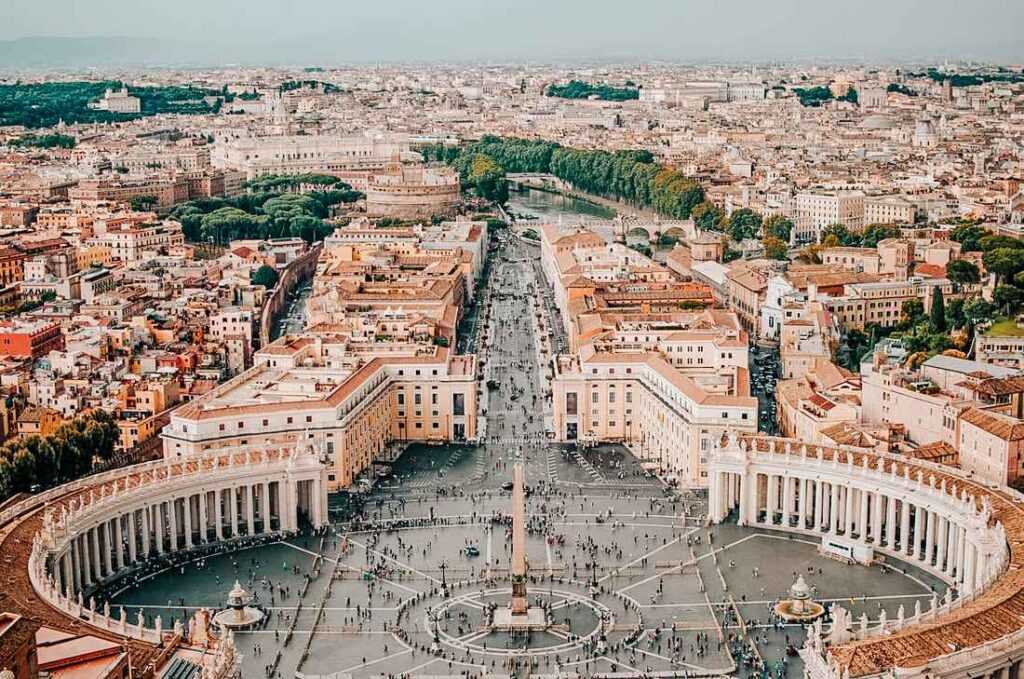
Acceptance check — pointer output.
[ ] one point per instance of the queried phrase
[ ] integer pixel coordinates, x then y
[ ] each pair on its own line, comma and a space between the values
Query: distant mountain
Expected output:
43, 53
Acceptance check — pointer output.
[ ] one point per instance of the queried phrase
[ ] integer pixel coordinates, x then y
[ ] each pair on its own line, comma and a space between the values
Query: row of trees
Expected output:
38, 462
44, 104
1002, 256
631, 176
816, 96
44, 141
579, 89
267, 210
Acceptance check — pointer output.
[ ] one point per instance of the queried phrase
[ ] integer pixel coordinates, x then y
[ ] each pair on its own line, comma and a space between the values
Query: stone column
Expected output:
158, 519
806, 511
744, 480
961, 554
233, 498
890, 523
773, 492
905, 542
877, 518
204, 519
953, 548
862, 520
833, 509
76, 565
146, 524
119, 542
172, 523
106, 541
133, 537
970, 555
94, 554
819, 499
929, 548
186, 504
67, 570
218, 513
250, 511
941, 543
849, 512
787, 499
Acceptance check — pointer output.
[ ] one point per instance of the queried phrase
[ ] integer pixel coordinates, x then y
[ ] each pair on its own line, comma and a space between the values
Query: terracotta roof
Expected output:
1001, 426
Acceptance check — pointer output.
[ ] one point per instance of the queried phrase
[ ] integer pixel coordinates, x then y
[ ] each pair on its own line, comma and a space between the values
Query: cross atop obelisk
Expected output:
519, 563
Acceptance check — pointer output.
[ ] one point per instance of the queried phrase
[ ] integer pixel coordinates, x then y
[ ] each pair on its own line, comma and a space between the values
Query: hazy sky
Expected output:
368, 30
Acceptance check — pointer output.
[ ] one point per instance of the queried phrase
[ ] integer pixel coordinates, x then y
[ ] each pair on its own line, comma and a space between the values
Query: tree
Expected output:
912, 311
937, 314
977, 310
969, 236
488, 178
963, 272
1004, 262
143, 203
775, 248
265, 276
743, 224
843, 235
778, 226
707, 216
994, 242
1009, 298
873, 233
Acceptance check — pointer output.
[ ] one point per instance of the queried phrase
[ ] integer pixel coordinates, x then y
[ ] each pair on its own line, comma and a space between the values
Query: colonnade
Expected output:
869, 506
178, 522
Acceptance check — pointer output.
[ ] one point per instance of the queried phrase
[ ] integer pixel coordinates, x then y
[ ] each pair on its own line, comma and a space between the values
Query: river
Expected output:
547, 207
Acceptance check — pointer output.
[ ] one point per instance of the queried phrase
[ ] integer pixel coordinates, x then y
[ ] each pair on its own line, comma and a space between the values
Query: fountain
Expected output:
799, 607
238, 615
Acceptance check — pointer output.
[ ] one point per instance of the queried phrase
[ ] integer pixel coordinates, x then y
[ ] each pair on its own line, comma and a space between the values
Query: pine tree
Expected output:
938, 312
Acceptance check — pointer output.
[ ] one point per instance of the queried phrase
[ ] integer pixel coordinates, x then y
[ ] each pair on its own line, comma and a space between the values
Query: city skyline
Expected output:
115, 32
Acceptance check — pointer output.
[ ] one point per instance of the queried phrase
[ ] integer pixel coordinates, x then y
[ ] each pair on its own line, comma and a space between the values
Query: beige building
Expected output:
894, 209
294, 391
816, 210
992, 446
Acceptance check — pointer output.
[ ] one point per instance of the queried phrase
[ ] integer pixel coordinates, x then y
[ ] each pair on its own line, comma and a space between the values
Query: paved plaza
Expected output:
632, 577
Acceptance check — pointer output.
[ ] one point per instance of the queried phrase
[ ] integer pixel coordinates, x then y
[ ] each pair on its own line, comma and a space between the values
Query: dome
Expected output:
877, 122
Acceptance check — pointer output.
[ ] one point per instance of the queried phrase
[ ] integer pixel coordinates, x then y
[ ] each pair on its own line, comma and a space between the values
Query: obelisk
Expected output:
519, 564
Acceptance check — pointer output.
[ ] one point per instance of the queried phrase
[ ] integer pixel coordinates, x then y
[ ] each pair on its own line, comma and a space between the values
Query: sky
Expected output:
338, 31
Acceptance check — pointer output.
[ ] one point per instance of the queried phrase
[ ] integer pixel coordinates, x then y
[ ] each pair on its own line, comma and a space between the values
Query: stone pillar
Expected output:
218, 513
158, 518
744, 498
787, 499
133, 533
806, 511
890, 523
233, 508
961, 554
849, 511
204, 519
877, 517
250, 510
186, 504
106, 541
76, 565
833, 509
773, 492
941, 540
862, 518
952, 548
146, 524
819, 499
67, 570
929, 549
94, 554
905, 541
970, 556
119, 542
172, 523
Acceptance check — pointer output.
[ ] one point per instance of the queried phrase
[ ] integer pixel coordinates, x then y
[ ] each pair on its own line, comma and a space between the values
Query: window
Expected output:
594, 397
570, 403
458, 404
417, 399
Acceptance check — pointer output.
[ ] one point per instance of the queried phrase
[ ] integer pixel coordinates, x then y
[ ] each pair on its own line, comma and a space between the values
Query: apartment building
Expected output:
892, 209
355, 413
816, 210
